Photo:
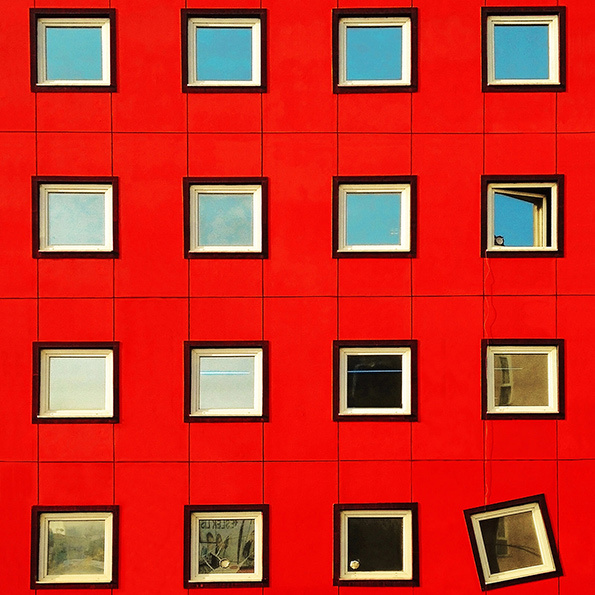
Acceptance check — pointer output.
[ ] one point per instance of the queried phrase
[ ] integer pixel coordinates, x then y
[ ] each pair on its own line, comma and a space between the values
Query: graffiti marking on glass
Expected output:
226, 546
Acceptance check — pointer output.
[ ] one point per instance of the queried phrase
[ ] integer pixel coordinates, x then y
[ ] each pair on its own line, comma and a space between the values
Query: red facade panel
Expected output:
299, 135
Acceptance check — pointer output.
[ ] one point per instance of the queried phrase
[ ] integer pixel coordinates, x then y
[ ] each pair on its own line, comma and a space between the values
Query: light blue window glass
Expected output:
77, 383
226, 382
73, 53
374, 53
373, 218
514, 220
76, 219
224, 53
521, 52
225, 219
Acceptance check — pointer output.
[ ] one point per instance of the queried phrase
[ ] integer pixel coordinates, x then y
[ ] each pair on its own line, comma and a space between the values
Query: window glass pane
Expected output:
225, 546
511, 542
225, 219
374, 380
224, 53
76, 219
75, 547
373, 218
374, 544
73, 53
374, 53
226, 382
521, 51
514, 220
77, 383
521, 379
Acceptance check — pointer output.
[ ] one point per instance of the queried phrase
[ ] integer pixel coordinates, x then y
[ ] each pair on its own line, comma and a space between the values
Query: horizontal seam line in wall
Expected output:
329, 132
312, 296
404, 460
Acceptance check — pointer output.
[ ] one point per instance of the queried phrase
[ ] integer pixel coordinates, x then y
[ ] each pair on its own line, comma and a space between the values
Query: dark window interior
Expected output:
374, 544
374, 381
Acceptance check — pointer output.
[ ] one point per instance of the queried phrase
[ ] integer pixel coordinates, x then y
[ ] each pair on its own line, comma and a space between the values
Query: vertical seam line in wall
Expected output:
483, 303
338, 305
189, 301
556, 323
411, 215
262, 335
111, 111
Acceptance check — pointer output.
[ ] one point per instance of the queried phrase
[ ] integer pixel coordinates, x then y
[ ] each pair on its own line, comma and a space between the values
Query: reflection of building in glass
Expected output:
226, 545
511, 542
521, 379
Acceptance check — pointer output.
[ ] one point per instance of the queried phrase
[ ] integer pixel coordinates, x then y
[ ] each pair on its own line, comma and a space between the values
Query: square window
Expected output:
513, 542
226, 381
75, 382
73, 50
375, 380
524, 49
523, 379
226, 546
522, 216
75, 217
225, 218
224, 50
376, 544
374, 50
74, 546
374, 217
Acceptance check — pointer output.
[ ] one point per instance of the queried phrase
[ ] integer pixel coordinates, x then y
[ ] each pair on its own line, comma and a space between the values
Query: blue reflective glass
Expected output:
373, 218
76, 219
73, 53
225, 220
513, 220
224, 53
374, 53
521, 52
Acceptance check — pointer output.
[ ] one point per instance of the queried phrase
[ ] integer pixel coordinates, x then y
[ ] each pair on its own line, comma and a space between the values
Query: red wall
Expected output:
299, 134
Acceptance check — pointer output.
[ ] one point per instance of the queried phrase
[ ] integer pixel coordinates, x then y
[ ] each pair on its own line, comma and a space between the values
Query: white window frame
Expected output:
73, 22
403, 189
45, 412
254, 23
404, 352
402, 575
63, 188
541, 225
254, 189
551, 351
256, 352
553, 23
548, 563
256, 576
44, 520
403, 22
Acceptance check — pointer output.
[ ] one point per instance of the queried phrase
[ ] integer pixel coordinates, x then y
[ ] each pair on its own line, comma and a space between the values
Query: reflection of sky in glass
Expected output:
521, 51
373, 218
76, 547
226, 382
374, 53
513, 220
76, 219
224, 53
225, 219
73, 53
77, 383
